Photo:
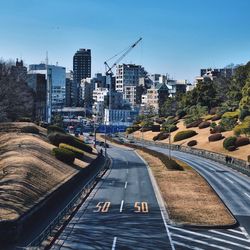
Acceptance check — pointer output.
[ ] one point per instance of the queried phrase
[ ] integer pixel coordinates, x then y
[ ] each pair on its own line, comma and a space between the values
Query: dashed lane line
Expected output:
126, 183
229, 180
208, 237
121, 206
114, 243
248, 195
200, 241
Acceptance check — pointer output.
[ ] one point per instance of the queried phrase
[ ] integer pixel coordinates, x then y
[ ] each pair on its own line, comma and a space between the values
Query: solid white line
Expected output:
229, 235
114, 243
235, 231
209, 237
245, 232
247, 195
201, 242
187, 246
121, 206
126, 183
229, 180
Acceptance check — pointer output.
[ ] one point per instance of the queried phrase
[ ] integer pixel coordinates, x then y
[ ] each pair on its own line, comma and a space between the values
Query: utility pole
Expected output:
169, 146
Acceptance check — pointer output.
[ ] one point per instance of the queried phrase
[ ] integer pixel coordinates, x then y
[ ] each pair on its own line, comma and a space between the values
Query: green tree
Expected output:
245, 100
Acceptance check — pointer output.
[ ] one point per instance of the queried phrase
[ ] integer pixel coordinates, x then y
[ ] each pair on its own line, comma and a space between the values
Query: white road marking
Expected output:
126, 183
229, 180
245, 232
114, 243
247, 195
187, 246
201, 242
210, 237
127, 170
229, 235
235, 231
121, 206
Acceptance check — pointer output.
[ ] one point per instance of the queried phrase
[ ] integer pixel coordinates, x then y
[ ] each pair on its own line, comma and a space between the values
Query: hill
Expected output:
28, 170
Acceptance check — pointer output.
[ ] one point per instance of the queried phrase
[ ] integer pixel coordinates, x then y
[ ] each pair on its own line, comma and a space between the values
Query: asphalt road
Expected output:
122, 212
234, 189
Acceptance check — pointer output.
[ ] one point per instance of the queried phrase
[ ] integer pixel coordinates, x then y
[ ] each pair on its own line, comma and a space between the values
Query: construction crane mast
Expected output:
108, 69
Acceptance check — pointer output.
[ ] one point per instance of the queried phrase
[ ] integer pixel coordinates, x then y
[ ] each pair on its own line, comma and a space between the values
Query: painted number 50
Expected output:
141, 207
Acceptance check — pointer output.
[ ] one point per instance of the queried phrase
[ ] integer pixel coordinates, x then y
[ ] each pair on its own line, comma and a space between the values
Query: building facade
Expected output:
56, 83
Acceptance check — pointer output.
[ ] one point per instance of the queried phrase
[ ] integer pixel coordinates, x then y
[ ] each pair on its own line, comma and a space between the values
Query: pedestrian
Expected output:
229, 159
226, 159
101, 151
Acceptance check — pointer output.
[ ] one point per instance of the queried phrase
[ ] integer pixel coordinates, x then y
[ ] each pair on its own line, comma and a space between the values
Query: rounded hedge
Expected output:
54, 128
56, 138
234, 114
169, 127
216, 117
204, 124
161, 136
231, 148
229, 141
194, 124
30, 129
78, 152
215, 137
184, 135
241, 141
64, 155
192, 143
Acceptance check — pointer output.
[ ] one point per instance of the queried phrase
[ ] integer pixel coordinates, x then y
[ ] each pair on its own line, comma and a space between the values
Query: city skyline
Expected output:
178, 38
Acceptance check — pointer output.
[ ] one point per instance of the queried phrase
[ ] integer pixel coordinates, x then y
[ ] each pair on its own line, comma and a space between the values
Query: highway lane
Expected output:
232, 186
122, 212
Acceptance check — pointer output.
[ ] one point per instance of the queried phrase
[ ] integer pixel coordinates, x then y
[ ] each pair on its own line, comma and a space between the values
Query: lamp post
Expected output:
169, 146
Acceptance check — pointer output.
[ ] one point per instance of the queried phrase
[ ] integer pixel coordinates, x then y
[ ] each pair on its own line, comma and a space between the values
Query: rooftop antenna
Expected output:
47, 59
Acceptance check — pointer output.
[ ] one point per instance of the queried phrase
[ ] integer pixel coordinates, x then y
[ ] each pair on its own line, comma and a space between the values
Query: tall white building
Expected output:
56, 83
127, 81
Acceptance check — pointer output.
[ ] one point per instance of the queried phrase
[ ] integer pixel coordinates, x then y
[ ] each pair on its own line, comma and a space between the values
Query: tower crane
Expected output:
108, 69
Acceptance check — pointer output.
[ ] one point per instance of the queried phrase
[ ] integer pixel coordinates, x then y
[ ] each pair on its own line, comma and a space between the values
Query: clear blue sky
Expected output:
179, 37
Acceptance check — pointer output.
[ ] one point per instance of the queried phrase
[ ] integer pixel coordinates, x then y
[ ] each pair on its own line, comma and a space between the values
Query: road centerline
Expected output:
114, 243
126, 183
121, 206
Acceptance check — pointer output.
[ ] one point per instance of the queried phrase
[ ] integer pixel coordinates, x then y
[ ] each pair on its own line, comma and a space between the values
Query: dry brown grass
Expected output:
28, 171
202, 139
188, 197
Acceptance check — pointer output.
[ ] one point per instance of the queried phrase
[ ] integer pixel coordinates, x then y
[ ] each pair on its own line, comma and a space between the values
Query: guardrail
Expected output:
237, 164
60, 219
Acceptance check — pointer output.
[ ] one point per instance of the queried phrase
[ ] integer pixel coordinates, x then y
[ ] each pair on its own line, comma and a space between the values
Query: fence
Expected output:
237, 164
60, 219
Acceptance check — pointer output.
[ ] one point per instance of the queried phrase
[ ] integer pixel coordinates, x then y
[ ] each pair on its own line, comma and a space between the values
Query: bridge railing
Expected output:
237, 164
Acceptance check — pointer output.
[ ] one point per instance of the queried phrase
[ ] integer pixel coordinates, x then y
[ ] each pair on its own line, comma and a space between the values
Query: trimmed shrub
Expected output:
208, 117
213, 111
184, 135
78, 152
192, 143
56, 138
216, 117
247, 118
156, 128
241, 141
54, 128
64, 155
24, 119
215, 137
204, 124
244, 113
231, 148
242, 128
160, 120
161, 136
194, 124
229, 141
234, 114
145, 129
30, 129
217, 129
167, 127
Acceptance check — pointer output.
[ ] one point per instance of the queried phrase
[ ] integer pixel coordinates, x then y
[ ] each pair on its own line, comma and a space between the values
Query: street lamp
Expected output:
169, 146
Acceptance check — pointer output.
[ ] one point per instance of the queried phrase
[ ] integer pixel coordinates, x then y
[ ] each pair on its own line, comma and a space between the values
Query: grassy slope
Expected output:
203, 143
28, 171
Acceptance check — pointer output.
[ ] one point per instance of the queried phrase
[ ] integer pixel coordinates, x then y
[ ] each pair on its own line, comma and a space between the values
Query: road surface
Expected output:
121, 213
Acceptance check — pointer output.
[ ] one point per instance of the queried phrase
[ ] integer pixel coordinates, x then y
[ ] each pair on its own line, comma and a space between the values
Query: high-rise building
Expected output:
82, 65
